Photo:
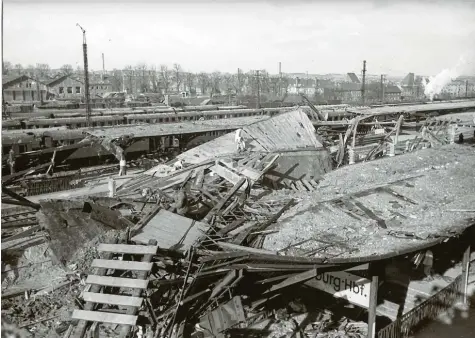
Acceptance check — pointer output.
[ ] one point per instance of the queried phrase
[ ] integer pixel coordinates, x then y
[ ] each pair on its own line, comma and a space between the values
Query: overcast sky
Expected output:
318, 37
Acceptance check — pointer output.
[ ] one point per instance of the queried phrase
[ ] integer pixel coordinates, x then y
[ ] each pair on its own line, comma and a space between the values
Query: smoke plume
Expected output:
434, 85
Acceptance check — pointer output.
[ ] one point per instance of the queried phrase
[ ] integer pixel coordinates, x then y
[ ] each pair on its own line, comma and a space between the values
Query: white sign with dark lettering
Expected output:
341, 284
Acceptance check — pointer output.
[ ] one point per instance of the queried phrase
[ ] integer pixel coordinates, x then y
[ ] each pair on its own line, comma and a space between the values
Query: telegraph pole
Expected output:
86, 77
103, 67
258, 91
466, 88
382, 88
280, 78
364, 79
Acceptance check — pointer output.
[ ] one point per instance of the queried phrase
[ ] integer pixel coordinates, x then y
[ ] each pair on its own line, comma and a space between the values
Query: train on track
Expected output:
113, 118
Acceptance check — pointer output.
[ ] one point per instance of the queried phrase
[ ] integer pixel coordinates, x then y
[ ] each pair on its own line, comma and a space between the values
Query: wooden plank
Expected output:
314, 183
121, 265
298, 278
104, 317
23, 234
300, 186
225, 199
373, 303
117, 282
199, 179
230, 246
307, 185
103, 298
251, 173
128, 249
225, 173
142, 275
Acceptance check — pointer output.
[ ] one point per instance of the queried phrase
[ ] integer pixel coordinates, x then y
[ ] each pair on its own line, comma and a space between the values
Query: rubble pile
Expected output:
228, 241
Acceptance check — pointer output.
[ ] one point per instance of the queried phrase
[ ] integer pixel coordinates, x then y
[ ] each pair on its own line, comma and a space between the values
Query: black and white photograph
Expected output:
238, 169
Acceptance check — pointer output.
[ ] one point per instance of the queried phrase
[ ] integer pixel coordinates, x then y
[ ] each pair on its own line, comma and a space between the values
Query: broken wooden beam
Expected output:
230, 246
225, 199
295, 279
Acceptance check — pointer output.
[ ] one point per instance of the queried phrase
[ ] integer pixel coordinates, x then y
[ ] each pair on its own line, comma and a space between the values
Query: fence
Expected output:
429, 309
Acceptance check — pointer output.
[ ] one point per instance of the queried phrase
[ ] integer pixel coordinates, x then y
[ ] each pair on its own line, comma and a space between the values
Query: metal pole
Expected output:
103, 67
364, 80
280, 78
86, 77
258, 91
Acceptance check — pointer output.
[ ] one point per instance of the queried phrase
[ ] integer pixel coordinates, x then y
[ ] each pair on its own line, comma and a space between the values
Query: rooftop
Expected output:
146, 130
380, 207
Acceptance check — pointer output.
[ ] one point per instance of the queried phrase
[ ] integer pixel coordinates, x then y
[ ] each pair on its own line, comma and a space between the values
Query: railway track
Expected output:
20, 219
122, 296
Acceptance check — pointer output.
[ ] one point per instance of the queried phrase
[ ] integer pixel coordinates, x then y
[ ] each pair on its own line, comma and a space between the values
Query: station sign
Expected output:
354, 289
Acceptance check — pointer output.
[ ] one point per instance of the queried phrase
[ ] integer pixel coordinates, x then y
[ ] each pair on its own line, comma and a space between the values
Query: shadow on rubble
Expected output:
301, 309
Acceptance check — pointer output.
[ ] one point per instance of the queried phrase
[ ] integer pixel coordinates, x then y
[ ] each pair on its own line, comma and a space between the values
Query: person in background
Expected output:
240, 145
123, 165
178, 165
11, 161
428, 262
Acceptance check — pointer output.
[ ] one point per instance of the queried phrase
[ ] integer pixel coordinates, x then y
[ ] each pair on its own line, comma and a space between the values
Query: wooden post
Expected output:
373, 302
465, 274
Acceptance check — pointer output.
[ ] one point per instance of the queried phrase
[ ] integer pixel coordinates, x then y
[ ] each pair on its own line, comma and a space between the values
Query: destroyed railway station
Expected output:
312, 221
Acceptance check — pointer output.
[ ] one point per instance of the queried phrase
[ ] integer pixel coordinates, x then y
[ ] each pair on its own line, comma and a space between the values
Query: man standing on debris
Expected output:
123, 165
11, 161
240, 145
180, 206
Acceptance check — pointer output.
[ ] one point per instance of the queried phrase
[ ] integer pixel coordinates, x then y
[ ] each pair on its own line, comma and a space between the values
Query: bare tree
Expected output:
67, 69
144, 80
274, 84
42, 70
116, 80
190, 82
264, 81
228, 83
177, 75
7, 67
154, 79
238, 82
18, 68
164, 78
203, 80
216, 79
129, 72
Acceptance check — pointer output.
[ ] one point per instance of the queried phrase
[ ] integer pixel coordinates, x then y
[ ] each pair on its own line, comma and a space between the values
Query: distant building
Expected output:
99, 89
454, 89
348, 92
304, 86
24, 89
392, 93
67, 87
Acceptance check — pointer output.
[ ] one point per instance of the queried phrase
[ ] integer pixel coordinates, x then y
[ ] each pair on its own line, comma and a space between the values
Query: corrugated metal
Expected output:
170, 229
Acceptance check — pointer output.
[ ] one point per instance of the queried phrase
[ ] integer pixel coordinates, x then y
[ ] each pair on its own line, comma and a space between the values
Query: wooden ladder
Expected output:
130, 304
